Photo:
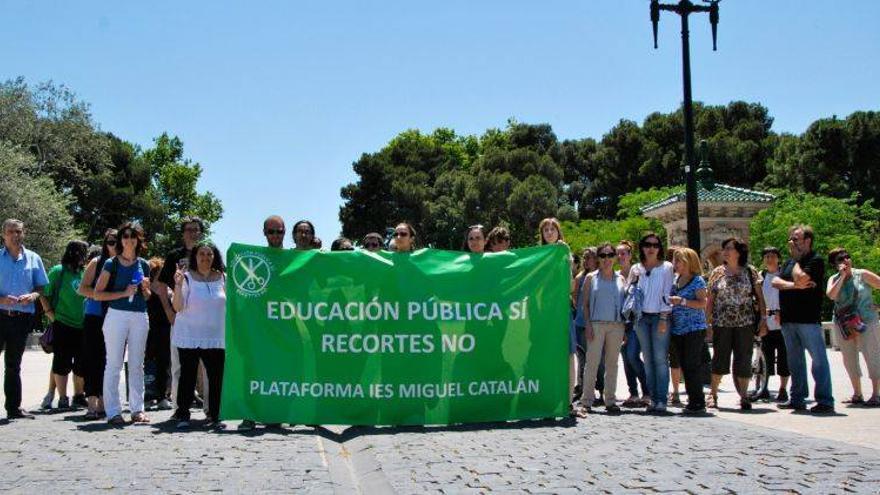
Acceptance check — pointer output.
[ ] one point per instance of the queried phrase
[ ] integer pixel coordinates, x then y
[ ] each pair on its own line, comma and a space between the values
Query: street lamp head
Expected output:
655, 18
713, 20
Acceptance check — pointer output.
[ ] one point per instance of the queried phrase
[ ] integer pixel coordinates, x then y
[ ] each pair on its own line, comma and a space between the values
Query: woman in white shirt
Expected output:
199, 329
654, 277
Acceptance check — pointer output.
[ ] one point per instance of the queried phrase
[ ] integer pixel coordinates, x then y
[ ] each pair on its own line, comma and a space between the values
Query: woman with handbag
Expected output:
855, 315
652, 278
736, 311
64, 308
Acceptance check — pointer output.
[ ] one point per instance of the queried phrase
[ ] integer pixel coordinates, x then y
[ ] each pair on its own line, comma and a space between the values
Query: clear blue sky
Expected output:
276, 99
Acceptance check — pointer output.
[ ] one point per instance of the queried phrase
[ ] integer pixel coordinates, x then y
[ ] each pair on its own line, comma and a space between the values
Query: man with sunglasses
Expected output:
22, 278
800, 301
273, 229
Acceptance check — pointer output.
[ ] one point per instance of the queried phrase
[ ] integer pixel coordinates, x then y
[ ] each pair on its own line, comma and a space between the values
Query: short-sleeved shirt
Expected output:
67, 304
771, 299
20, 276
686, 320
166, 276
856, 292
803, 305
124, 277
733, 304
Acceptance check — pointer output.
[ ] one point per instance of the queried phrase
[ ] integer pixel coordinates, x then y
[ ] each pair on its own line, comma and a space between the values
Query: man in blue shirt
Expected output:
22, 278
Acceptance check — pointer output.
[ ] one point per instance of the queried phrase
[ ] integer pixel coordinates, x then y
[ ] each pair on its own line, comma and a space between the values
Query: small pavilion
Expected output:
725, 211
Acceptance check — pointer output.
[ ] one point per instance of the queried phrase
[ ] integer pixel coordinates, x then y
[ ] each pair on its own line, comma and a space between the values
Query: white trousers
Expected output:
123, 328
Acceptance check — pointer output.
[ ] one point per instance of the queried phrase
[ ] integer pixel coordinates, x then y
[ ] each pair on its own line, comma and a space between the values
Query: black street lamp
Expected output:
685, 8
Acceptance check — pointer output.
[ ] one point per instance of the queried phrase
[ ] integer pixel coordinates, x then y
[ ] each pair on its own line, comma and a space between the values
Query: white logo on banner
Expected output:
251, 273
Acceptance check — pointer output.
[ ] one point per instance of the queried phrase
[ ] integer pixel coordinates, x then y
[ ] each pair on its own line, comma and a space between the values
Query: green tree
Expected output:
174, 181
836, 222
35, 201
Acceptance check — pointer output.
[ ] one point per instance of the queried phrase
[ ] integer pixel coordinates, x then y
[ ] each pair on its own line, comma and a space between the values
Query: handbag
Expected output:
847, 319
756, 307
48, 336
632, 303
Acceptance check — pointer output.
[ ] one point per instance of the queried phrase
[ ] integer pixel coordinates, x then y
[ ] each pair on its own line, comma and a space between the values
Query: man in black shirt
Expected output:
800, 284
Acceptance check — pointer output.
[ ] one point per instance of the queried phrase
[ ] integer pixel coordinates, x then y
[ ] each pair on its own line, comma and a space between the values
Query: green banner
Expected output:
429, 337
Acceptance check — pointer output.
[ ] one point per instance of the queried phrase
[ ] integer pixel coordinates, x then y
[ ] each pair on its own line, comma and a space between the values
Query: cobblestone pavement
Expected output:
630, 453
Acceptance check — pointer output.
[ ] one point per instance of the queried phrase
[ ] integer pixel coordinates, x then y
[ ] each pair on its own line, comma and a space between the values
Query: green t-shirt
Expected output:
69, 305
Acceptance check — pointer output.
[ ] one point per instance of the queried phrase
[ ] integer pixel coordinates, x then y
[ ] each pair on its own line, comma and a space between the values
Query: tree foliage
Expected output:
106, 179
34, 200
836, 222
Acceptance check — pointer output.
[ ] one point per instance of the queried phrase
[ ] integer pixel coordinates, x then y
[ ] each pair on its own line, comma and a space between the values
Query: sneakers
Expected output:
79, 401
822, 409
164, 405
63, 402
247, 425
182, 424
47, 401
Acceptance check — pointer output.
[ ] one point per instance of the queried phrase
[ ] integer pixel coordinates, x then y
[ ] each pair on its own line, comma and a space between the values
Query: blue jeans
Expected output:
655, 351
632, 363
798, 338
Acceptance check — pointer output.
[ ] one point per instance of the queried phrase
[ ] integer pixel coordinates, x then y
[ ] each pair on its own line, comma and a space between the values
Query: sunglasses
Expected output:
843, 257
655, 245
371, 245
110, 242
605, 255
401, 234
129, 235
274, 231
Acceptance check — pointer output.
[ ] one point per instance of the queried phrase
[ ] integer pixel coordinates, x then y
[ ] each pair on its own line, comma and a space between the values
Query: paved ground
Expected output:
630, 453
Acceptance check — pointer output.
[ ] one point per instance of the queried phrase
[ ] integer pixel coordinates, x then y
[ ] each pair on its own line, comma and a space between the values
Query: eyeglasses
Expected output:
371, 245
110, 242
401, 234
605, 255
274, 231
193, 230
652, 245
303, 232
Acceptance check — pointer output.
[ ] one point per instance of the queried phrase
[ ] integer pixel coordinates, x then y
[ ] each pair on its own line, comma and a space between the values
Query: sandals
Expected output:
91, 416
855, 399
117, 420
712, 401
140, 419
582, 411
874, 401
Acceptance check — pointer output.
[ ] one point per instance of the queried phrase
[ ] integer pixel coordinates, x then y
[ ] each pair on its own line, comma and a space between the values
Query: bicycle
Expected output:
760, 376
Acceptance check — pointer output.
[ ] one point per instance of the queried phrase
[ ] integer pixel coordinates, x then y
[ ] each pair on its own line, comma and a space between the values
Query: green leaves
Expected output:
98, 178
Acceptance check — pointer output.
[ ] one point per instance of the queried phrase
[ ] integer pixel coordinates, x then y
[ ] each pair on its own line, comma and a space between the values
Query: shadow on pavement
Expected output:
359, 431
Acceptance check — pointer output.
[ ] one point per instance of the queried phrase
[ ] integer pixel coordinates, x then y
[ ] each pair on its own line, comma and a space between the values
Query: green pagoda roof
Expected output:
722, 193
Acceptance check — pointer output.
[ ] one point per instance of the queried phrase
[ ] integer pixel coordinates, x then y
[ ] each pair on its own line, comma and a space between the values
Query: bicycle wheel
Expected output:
760, 377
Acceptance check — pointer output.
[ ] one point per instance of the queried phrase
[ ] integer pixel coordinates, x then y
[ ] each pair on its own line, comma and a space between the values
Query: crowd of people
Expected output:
651, 308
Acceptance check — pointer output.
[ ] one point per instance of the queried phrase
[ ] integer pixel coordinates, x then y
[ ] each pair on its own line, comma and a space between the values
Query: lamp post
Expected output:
684, 8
